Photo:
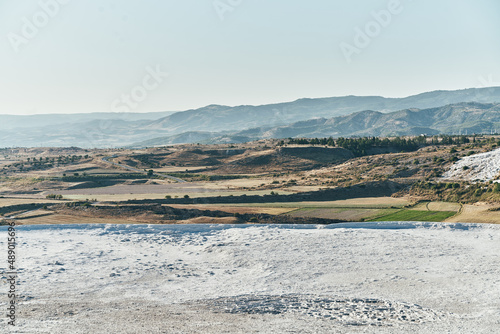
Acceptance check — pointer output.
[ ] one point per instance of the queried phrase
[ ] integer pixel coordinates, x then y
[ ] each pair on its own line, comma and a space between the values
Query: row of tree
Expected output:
363, 146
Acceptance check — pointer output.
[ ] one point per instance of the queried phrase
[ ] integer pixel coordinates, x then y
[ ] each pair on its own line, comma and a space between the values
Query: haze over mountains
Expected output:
461, 118
470, 110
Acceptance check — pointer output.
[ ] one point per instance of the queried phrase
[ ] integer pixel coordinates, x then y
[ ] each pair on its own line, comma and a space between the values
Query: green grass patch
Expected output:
416, 215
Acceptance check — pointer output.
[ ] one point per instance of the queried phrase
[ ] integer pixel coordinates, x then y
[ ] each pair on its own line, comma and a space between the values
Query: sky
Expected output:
73, 56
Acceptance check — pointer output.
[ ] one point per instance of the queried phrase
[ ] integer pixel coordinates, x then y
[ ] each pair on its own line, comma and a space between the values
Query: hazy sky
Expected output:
98, 55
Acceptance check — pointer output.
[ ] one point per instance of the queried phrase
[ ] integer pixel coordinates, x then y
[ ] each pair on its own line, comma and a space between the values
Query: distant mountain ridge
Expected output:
116, 130
28, 121
461, 118
222, 118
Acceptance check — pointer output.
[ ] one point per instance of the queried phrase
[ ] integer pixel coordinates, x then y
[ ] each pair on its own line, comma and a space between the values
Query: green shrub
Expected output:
54, 196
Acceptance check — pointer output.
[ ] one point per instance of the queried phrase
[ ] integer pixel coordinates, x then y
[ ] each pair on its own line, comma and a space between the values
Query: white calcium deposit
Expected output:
482, 167
343, 278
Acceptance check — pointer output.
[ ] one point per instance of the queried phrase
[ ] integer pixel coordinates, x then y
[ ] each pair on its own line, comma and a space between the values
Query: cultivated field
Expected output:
264, 177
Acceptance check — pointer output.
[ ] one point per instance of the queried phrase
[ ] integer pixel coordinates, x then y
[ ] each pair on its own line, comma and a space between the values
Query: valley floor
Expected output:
345, 278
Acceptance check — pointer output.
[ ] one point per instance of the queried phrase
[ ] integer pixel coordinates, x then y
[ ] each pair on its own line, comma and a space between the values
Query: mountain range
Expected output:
472, 110
461, 118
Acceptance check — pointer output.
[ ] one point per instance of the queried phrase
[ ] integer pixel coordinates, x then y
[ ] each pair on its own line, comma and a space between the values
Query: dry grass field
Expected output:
477, 213
236, 209
16, 201
341, 213
368, 202
437, 206
199, 193
173, 169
